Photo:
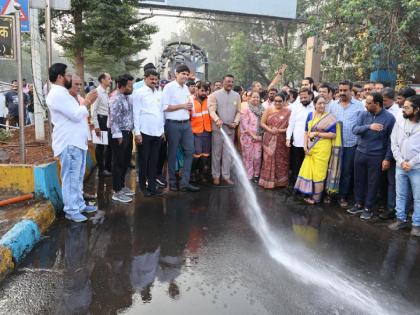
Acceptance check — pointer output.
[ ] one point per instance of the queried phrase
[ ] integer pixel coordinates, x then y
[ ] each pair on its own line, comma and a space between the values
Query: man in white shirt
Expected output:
388, 95
100, 112
388, 190
176, 101
140, 83
326, 92
69, 140
149, 123
296, 129
272, 92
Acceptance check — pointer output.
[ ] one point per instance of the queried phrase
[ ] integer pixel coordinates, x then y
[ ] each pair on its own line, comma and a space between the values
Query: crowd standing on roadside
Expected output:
357, 145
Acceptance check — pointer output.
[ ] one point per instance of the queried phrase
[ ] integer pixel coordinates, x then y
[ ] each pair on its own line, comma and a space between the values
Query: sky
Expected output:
167, 26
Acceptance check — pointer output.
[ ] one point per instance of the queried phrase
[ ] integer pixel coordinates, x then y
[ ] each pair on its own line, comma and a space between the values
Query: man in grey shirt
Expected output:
225, 110
405, 145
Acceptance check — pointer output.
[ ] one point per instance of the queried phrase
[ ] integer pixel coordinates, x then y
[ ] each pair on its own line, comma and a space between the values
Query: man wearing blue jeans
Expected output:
69, 140
405, 143
346, 109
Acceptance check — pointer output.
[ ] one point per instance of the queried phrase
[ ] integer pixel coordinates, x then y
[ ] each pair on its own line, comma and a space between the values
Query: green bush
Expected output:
4, 135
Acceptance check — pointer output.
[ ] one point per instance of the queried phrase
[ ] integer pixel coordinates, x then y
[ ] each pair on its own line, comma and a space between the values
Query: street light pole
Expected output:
20, 86
48, 32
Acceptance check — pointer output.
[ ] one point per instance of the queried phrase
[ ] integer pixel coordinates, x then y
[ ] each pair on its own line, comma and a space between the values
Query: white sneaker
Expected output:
75, 217
121, 197
128, 192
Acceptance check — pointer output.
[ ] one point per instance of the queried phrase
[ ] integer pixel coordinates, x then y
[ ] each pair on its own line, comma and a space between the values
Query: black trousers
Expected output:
148, 153
121, 159
104, 152
367, 178
297, 157
163, 155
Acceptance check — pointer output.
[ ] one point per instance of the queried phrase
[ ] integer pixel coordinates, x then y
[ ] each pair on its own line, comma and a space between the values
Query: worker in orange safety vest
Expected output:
201, 128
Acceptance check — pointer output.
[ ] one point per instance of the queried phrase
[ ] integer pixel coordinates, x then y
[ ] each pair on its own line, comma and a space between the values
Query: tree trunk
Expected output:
79, 58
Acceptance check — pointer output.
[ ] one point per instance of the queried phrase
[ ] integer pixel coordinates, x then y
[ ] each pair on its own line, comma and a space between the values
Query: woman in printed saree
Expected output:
275, 165
251, 137
320, 132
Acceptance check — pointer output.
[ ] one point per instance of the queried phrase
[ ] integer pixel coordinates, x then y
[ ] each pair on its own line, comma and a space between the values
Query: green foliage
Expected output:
104, 35
249, 48
367, 35
4, 135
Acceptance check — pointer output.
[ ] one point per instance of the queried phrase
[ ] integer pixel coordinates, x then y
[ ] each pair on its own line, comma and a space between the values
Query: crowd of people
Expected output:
345, 142
9, 105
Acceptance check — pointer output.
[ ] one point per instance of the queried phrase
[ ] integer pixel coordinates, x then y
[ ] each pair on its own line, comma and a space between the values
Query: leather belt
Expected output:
178, 121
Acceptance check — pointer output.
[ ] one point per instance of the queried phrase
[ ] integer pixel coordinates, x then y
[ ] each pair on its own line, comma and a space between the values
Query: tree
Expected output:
251, 48
103, 35
367, 35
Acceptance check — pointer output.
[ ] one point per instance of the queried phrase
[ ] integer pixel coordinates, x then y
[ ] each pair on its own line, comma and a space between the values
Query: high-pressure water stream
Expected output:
318, 273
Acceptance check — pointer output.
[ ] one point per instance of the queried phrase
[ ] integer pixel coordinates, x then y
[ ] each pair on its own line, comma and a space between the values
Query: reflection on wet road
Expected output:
196, 254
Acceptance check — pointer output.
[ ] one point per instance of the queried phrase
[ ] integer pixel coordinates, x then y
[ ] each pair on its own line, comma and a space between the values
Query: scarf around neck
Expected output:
258, 112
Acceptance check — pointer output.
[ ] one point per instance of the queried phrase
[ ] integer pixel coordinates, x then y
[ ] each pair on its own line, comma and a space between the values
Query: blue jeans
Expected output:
73, 164
347, 172
404, 181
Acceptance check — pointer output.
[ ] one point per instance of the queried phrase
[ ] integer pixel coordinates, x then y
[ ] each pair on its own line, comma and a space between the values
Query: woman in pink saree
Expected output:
275, 166
251, 137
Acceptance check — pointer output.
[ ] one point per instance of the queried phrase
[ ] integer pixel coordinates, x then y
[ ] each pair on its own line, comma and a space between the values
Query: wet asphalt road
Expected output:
195, 253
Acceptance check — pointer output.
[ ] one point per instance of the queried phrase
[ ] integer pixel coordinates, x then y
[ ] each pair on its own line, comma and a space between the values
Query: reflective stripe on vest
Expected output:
200, 118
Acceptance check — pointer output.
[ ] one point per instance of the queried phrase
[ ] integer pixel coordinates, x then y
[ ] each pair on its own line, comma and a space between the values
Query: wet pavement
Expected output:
195, 253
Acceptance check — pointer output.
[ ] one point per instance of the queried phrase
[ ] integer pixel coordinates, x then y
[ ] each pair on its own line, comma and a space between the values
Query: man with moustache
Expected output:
225, 111
121, 124
326, 92
272, 92
387, 191
69, 140
100, 113
403, 94
347, 110
149, 125
296, 129
201, 128
373, 154
405, 143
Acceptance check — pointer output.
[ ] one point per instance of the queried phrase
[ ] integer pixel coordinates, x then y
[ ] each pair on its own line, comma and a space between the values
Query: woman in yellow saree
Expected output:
320, 134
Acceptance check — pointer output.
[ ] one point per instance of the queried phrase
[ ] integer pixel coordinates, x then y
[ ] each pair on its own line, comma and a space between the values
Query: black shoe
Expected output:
156, 193
160, 180
388, 215
398, 225
173, 188
357, 209
366, 214
106, 173
190, 188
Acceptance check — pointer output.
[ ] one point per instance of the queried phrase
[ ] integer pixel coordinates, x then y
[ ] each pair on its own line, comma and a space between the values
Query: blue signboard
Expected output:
7, 7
